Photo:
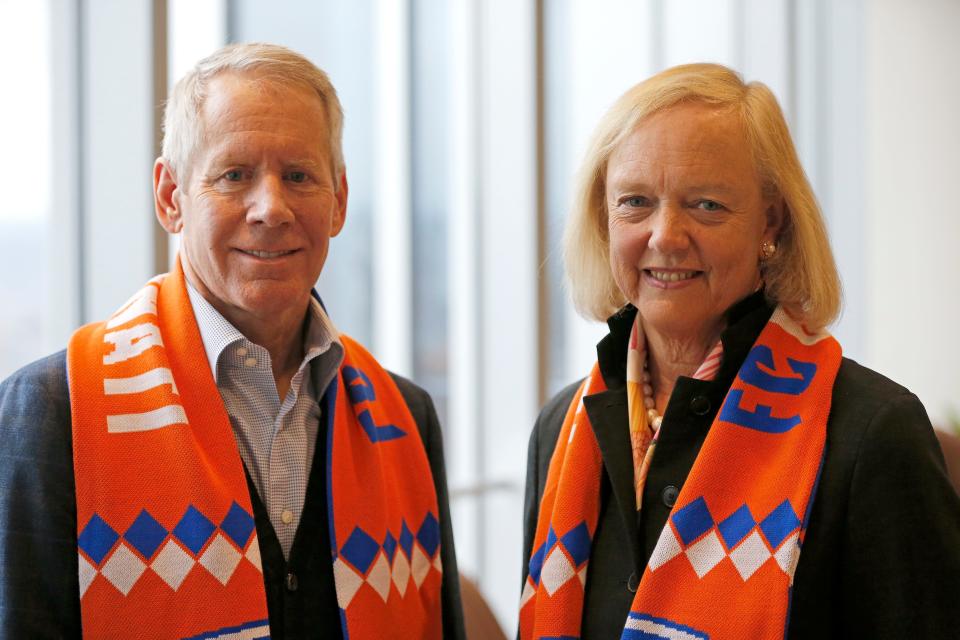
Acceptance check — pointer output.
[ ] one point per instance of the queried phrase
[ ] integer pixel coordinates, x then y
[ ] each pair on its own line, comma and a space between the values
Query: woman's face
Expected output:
686, 217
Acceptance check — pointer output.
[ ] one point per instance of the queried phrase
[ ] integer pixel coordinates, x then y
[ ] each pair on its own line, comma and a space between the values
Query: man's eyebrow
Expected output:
219, 162
305, 162
224, 160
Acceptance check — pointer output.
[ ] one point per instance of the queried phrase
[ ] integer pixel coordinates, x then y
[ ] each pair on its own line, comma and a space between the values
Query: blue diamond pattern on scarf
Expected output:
429, 535
97, 538
238, 524
551, 539
145, 534
406, 538
536, 564
390, 546
663, 630
194, 529
693, 520
736, 527
577, 542
781, 522
360, 549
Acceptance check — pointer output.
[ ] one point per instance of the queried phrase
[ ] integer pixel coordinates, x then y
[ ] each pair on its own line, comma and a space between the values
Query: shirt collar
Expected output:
217, 333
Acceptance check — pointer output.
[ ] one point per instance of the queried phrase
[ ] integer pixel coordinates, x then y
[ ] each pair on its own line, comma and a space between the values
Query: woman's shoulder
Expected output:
552, 413
864, 386
879, 552
871, 413
560, 402
546, 430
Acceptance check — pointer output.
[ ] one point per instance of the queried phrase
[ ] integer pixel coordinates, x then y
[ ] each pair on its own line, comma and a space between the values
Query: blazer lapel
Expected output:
608, 416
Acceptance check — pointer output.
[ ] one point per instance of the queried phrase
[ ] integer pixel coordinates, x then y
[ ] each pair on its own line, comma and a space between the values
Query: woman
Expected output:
723, 472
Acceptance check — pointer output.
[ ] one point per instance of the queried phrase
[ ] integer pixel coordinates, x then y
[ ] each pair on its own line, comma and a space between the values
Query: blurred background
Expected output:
465, 121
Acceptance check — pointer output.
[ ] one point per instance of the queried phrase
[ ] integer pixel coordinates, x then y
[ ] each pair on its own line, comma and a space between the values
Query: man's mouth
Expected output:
267, 254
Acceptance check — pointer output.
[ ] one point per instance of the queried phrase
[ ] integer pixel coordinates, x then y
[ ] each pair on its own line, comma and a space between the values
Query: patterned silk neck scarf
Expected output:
643, 434
167, 545
723, 565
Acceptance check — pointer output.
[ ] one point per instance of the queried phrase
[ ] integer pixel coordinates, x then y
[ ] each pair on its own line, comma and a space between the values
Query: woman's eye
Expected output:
635, 201
233, 175
710, 205
297, 176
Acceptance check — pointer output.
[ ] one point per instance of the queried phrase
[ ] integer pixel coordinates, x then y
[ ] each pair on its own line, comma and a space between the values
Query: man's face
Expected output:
258, 204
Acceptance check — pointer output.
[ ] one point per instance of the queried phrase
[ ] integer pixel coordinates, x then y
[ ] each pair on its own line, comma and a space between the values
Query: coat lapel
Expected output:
608, 416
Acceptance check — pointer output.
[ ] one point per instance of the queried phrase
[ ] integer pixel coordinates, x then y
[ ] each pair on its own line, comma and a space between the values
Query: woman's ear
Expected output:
776, 213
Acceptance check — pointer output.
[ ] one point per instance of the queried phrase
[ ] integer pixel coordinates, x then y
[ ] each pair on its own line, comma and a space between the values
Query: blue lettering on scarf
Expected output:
752, 374
360, 389
762, 418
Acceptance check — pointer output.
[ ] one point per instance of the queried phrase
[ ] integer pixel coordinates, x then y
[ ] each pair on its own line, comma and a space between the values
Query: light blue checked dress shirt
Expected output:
276, 436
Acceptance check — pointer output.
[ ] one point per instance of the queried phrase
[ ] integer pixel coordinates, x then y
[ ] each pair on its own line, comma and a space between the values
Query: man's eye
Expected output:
297, 176
233, 175
710, 205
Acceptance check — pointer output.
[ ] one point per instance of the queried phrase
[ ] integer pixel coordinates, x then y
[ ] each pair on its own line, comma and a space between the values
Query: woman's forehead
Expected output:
690, 139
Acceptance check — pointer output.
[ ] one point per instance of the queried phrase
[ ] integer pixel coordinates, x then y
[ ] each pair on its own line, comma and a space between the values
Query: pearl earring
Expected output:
767, 249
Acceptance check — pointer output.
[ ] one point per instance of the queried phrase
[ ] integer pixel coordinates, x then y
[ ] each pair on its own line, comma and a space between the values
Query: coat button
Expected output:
291, 581
700, 405
669, 495
633, 582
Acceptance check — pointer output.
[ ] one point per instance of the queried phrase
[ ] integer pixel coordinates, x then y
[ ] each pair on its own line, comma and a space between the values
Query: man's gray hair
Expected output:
183, 128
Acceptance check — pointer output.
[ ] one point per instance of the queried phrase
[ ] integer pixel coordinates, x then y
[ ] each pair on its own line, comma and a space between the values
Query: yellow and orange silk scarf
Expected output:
723, 566
167, 545
643, 434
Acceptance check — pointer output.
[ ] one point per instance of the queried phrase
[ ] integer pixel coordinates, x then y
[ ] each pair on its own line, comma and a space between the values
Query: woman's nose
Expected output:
669, 233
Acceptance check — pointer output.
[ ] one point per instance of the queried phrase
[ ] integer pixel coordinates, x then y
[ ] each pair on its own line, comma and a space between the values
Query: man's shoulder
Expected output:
44, 378
35, 417
414, 395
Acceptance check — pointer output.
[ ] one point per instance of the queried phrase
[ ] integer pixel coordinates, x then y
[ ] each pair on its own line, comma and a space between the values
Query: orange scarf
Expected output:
166, 537
723, 566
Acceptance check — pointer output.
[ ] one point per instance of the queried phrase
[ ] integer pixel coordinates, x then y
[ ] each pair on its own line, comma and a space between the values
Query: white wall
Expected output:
912, 233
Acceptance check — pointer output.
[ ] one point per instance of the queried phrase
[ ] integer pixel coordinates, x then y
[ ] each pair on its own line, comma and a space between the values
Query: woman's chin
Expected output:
678, 321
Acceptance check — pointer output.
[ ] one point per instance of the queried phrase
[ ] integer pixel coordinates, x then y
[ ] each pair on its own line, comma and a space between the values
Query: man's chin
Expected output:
274, 300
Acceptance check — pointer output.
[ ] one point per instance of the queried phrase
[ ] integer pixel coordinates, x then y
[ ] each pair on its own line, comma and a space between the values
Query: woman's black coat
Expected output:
881, 557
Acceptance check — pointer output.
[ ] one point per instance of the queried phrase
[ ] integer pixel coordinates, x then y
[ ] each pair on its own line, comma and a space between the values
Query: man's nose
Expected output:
669, 232
269, 203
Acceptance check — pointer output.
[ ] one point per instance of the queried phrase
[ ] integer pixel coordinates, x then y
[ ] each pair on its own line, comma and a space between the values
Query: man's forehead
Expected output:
265, 85
232, 97
239, 124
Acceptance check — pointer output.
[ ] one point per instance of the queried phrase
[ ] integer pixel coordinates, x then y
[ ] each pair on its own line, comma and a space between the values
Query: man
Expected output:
216, 460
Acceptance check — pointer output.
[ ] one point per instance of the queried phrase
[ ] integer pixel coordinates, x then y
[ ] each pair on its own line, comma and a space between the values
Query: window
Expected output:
27, 180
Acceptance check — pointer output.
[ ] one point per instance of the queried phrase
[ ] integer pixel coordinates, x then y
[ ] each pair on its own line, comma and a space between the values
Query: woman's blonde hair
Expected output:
802, 275
183, 126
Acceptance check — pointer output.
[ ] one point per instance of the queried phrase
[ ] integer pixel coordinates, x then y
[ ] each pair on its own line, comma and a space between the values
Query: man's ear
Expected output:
165, 201
340, 215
